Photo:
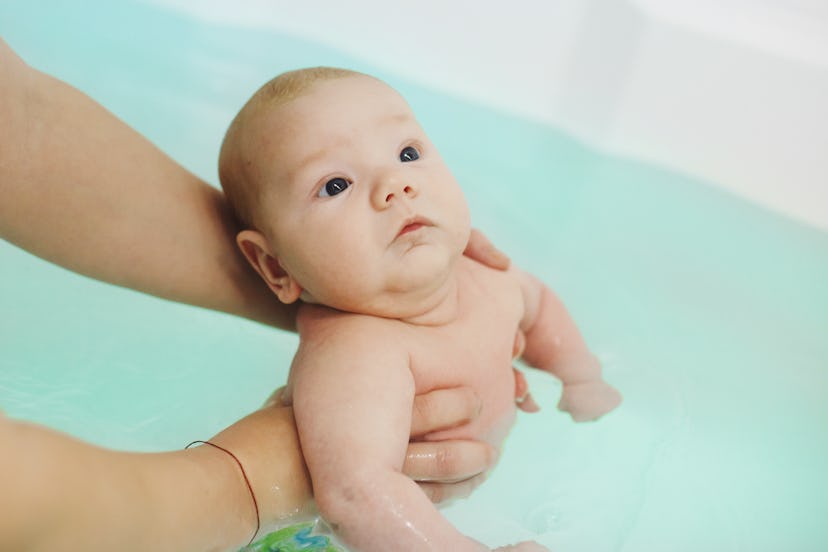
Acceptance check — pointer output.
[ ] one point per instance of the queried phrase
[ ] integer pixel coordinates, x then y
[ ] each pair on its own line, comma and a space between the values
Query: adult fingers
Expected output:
276, 398
482, 250
523, 399
443, 492
443, 409
448, 461
527, 404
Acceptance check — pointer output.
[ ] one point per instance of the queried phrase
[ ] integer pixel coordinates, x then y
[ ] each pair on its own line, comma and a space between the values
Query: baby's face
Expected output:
362, 210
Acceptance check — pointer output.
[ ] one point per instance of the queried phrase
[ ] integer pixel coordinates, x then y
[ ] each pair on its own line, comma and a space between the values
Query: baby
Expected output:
352, 212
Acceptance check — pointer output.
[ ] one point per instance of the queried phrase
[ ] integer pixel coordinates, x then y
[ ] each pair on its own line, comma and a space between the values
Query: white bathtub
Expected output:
733, 91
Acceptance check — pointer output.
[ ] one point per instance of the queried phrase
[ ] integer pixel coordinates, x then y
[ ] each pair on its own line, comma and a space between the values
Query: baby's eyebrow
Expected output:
402, 117
317, 155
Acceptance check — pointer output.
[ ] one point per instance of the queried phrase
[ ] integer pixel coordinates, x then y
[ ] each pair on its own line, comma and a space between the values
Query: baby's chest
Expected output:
472, 353
476, 352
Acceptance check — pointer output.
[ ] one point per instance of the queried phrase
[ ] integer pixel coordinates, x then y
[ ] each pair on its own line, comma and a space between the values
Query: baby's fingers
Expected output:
589, 401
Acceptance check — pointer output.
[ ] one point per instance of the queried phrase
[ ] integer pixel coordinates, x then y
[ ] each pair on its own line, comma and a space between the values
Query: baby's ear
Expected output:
257, 251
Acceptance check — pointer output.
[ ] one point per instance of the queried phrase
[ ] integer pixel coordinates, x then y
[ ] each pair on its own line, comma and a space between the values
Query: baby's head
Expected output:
346, 201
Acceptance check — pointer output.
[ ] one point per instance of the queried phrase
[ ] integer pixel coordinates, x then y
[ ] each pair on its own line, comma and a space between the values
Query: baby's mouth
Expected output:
411, 228
413, 224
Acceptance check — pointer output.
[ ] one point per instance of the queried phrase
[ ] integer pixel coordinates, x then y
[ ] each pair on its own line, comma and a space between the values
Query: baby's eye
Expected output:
333, 187
409, 153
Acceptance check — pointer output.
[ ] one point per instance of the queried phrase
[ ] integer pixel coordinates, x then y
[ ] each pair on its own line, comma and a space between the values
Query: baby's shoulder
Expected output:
335, 344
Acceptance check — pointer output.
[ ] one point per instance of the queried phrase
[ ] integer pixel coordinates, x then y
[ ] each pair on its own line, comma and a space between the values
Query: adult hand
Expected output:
443, 469
523, 398
483, 251
446, 470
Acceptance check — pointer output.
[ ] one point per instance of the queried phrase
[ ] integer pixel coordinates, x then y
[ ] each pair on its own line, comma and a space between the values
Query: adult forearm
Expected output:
80, 188
63, 494
60, 493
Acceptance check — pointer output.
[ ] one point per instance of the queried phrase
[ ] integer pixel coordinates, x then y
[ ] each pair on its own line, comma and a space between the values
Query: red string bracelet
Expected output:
246, 480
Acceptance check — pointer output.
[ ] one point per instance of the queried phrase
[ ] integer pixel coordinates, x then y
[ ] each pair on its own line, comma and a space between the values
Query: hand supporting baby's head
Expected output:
345, 199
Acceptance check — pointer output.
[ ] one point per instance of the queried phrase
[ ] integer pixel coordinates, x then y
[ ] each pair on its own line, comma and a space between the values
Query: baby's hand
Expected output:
589, 400
525, 546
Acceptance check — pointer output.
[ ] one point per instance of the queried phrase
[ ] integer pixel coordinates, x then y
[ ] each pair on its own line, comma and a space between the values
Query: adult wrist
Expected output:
267, 445
246, 482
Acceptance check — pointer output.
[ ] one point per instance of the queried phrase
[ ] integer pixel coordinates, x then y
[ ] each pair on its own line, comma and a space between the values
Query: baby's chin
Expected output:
422, 286
423, 268
404, 296
400, 288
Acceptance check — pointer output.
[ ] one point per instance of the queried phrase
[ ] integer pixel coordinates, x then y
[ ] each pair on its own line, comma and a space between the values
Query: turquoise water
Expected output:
711, 315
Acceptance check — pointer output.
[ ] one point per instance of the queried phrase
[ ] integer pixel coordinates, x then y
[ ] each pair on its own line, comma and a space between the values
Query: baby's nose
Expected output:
392, 187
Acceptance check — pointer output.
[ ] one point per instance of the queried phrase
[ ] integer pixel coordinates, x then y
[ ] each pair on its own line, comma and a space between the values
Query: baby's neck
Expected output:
442, 306
436, 306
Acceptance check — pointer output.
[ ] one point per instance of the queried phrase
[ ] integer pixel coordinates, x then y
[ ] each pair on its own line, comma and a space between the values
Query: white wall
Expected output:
733, 91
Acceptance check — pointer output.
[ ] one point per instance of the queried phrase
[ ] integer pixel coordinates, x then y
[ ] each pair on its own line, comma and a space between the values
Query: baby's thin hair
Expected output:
236, 174
292, 84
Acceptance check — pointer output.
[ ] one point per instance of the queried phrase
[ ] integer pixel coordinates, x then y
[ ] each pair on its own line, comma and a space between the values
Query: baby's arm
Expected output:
554, 344
352, 394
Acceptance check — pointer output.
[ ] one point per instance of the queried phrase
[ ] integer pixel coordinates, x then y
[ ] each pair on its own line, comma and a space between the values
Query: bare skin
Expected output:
489, 305
123, 217
61, 494
365, 224
134, 217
